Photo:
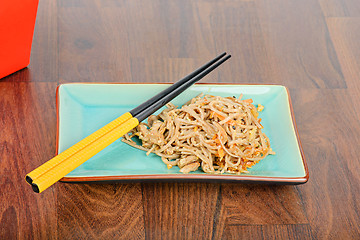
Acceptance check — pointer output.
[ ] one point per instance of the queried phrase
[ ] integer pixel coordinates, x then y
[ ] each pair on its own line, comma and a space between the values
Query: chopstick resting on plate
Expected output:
52, 171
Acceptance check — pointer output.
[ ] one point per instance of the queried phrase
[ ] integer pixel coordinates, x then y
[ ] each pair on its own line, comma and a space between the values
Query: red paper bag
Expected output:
17, 22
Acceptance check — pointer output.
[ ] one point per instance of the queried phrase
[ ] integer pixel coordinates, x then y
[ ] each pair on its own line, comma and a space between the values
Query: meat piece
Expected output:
190, 167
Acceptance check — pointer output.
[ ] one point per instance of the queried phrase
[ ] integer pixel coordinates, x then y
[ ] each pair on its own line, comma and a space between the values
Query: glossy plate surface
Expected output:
84, 108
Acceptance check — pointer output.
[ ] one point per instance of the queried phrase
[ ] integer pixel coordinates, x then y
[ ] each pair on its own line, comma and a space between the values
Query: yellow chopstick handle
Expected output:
55, 174
77, 147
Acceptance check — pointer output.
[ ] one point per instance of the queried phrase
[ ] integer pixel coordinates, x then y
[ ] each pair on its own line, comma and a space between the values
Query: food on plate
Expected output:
218, 134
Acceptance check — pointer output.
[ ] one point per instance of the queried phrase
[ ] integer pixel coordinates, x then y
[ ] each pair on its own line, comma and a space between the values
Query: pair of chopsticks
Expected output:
52, 171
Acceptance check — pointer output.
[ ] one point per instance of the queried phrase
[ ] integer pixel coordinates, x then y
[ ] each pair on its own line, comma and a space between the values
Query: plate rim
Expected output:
179, 177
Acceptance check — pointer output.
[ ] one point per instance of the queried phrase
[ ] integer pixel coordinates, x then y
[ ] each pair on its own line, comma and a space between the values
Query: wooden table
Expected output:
310, 46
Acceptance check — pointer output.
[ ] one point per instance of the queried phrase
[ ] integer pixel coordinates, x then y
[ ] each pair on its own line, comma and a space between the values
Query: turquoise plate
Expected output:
84, 108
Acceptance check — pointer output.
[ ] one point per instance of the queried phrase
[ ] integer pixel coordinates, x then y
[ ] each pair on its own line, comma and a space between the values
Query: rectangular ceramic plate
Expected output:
84, 108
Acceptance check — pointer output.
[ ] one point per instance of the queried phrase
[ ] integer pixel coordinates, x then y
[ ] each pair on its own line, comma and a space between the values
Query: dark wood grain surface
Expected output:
310, 46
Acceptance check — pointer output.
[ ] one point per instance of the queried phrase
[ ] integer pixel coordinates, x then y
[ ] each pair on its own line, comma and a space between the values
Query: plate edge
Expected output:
297, 135
184, 177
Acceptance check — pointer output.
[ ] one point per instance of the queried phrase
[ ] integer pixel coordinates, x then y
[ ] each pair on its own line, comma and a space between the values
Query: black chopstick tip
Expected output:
35, 188
28, 180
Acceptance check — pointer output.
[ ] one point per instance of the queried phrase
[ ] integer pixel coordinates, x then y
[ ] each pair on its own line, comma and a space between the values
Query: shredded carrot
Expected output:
221, 152
250, 164
248, 100
195, 129
231, 122
219, 116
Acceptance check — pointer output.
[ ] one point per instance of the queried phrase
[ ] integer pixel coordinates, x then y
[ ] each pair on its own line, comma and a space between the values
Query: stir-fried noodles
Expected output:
219, 134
